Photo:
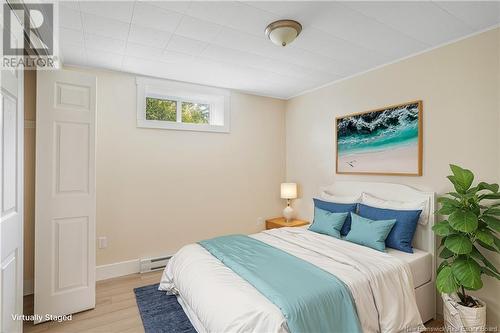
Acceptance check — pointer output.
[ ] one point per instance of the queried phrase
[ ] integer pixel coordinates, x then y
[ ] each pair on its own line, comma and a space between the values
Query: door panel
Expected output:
72, 158
65, 193
73, 97
10, 146
71, 253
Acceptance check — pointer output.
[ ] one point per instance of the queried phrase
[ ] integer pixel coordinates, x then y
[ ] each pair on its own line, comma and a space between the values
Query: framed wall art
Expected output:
386, 141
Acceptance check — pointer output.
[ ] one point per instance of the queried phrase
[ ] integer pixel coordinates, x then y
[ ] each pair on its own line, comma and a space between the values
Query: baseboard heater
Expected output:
154, 264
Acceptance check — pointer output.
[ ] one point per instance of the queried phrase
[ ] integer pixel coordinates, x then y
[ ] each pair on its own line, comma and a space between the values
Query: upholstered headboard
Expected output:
424, 238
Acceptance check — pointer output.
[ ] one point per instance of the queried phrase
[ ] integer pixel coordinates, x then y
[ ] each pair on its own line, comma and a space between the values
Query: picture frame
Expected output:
386, 141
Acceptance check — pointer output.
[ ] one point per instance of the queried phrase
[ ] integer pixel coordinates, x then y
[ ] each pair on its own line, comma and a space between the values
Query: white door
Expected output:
65, 193
11, 197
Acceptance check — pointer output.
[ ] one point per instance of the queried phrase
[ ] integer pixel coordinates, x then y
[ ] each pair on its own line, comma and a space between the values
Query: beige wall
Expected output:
459, 86
160, 189
29, 176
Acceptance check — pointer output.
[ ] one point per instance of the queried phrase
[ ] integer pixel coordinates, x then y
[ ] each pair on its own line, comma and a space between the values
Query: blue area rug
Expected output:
161, 313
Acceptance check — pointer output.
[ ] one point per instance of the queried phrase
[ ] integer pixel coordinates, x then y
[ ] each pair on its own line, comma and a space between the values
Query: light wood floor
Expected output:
115, 311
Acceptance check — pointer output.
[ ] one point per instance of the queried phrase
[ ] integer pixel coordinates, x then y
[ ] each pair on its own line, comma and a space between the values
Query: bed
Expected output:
392, 291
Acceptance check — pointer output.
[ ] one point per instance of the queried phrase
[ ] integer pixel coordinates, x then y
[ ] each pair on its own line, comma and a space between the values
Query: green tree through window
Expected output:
161, 109
196, 113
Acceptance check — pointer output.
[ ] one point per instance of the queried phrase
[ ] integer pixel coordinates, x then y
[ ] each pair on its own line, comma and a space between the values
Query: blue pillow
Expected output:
328, 223
338, 208
401, 236
369, 232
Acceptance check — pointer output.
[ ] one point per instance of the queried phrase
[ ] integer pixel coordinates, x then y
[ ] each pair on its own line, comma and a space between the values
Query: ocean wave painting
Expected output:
384, 141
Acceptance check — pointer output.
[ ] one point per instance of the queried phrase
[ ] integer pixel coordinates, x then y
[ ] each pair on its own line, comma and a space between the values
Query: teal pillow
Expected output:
401, 235
328, 223
368, 232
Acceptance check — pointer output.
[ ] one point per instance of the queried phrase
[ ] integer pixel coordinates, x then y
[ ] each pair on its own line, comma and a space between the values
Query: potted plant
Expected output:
472, 223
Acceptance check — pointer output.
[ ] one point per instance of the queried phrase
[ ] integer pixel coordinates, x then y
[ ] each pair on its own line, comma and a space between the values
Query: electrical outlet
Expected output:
260, 221
102, 242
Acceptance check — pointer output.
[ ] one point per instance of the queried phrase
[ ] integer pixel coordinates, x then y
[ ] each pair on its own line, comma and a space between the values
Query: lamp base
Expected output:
288, 213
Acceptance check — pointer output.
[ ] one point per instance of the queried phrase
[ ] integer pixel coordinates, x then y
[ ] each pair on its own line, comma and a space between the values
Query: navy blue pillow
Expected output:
338, 208
401, 235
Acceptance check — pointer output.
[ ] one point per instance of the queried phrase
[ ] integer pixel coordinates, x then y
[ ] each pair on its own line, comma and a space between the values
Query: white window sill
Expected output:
181, 126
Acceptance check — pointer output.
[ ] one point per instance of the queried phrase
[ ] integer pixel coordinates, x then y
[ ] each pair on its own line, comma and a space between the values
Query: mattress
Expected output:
420, 264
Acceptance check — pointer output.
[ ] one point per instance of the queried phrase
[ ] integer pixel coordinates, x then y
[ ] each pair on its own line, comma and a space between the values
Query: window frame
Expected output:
218, 99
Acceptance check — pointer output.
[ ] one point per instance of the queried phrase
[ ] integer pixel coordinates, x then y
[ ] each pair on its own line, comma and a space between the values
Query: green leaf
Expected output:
489, 272
445, 281
458, 243
445, 254
471, 193
491, 196
492, 211
443, 229
463, 220
492, 222
479, 256
446, 210
497, 242
486, 246
475, 209
485, 236
463, 177
457, 185
442, 242
455, 195
485, 186
442, 265
468, 273
481, 225
449, 202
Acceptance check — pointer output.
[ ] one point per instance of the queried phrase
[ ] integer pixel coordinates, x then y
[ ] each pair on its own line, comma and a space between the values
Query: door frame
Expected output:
19, 186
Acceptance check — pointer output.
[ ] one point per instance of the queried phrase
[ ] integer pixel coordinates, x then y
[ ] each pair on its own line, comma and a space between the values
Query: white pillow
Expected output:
339, 199
374, 201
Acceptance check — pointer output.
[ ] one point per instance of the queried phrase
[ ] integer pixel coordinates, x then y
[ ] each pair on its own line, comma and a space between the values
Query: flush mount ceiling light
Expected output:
283, 32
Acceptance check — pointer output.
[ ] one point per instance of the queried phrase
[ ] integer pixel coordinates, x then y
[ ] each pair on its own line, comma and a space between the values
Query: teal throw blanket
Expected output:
311, 299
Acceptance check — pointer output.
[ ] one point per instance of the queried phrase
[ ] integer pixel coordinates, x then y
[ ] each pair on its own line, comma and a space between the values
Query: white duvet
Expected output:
218, 300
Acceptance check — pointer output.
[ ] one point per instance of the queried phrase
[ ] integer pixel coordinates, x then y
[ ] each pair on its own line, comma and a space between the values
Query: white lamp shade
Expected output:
283, 36
288, 190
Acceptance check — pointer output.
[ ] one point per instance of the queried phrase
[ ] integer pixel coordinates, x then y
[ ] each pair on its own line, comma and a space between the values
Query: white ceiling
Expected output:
223, 43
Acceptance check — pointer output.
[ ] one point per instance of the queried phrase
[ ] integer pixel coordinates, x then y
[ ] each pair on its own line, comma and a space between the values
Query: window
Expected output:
196, 113
181, 106
160, 109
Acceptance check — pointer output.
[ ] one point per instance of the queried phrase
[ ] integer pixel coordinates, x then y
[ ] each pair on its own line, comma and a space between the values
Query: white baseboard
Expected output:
103, 272
117, 269
28, 286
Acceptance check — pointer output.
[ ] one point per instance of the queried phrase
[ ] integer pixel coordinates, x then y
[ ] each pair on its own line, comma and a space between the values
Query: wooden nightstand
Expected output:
280, 222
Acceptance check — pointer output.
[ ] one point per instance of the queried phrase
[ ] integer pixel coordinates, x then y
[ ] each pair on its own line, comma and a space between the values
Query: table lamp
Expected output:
288, 192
